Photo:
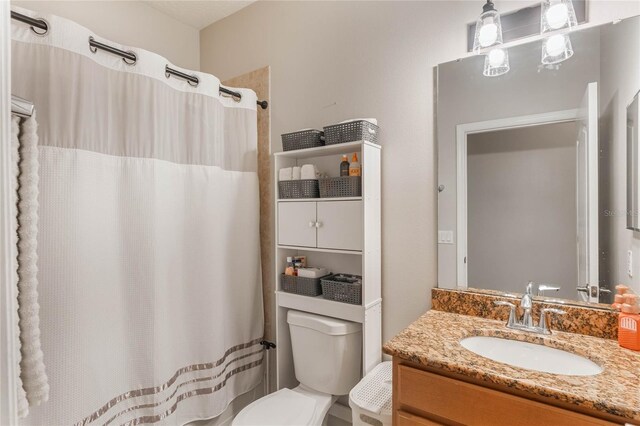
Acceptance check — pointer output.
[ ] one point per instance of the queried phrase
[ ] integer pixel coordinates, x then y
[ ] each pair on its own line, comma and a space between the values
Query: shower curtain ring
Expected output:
133, 61
92, 48
44, 31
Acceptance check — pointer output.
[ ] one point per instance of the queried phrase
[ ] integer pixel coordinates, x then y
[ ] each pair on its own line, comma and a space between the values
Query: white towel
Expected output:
295, 174
309, 171
285, 173
32, 370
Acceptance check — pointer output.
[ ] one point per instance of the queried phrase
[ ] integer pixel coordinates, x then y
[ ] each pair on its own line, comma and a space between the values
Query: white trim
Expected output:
462, 130
8, 296
592, 190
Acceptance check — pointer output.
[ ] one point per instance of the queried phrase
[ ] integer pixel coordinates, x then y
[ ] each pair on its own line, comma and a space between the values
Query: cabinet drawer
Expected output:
340, 225
296, 224
407, 419
465, 403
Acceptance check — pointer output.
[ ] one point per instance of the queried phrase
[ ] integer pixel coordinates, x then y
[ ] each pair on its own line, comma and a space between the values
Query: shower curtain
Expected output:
149, 272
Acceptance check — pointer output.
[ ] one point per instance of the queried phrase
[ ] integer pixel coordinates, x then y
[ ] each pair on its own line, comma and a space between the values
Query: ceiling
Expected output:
199, 14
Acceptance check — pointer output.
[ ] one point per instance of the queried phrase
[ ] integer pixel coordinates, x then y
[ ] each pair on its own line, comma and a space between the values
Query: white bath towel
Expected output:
285, 173
309, 171
32, 369
295, 173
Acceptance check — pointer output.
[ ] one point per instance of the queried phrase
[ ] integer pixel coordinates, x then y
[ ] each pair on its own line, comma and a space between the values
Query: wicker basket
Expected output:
344, 288
302, 140
346, 186
304, 188
301, 285
352, 131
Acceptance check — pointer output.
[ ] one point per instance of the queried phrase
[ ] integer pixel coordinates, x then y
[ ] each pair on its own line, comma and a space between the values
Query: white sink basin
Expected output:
531, 356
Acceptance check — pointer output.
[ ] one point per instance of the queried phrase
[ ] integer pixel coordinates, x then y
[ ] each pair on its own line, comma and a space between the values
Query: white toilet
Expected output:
327, 356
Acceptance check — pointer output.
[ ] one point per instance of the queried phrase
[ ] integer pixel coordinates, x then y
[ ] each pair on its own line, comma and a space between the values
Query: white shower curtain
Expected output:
151, 305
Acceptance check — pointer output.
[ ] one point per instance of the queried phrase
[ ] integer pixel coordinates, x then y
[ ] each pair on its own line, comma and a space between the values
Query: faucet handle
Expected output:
543, 318
512, 312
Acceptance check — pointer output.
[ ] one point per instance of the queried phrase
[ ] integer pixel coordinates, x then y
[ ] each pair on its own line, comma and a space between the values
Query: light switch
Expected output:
445, 237
630, 263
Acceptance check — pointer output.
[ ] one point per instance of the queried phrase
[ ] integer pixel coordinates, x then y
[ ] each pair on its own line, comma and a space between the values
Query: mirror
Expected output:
532, 183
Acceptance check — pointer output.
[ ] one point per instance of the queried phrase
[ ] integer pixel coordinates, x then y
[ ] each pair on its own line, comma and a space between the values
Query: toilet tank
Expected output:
327, 352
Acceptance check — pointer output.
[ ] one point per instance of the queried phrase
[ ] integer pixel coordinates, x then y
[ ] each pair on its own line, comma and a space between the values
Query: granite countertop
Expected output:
433, 341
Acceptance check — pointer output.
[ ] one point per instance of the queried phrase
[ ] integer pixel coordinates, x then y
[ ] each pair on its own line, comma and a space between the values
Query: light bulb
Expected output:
557, 16
556, 49
488, 34
496, 57
496, 62
555, 45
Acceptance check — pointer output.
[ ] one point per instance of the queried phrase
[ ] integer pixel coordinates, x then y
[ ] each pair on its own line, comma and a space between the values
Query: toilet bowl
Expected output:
287, 407
327, 355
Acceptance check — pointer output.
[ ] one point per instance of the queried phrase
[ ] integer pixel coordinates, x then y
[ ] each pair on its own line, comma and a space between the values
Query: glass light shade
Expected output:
557, 15
556, 49
496, 62
488, 31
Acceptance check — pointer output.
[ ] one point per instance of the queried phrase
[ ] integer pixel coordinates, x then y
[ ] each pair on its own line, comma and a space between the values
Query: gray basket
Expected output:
352, 131
303, 188
345, 186
301, 285
302, 140
344, 288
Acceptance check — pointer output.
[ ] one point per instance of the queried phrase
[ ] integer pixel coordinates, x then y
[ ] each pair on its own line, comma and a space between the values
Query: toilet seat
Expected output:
286, 407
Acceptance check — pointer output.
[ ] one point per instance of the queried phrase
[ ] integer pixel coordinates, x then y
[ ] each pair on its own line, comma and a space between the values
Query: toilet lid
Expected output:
282, 408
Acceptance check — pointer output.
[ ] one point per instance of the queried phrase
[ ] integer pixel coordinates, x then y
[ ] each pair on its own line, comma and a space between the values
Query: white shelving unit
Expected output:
348, 241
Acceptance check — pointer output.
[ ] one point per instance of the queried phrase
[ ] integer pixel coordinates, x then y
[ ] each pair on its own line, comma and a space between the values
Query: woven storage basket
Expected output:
352, 131
345, 186
343, 288
302, 140
301, 285
304, 188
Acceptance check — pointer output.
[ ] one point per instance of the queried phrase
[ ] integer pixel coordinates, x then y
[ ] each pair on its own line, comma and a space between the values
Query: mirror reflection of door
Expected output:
532, 204
522, 207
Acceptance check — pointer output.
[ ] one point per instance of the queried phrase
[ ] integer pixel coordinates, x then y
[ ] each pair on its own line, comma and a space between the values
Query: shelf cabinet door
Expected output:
296, 224
340, 225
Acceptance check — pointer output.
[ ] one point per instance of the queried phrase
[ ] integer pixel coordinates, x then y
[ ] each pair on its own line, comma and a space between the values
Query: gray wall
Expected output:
336, 60
522, 208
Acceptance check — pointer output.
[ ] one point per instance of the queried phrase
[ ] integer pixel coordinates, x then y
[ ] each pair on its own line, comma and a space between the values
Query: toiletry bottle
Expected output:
344, 166
290, 270
629, 323
618, 301
354, 167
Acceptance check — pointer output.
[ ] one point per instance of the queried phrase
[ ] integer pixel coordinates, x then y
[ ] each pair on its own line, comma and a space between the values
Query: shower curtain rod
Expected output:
21, 107
128, 57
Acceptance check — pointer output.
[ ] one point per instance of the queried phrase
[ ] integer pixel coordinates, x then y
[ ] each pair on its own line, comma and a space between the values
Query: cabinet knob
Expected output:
312, 224
318, 224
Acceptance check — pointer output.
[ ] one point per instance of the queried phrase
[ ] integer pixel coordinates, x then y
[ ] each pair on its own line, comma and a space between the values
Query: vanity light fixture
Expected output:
556, 48
488, 29
557, 15
557, 18
496, 62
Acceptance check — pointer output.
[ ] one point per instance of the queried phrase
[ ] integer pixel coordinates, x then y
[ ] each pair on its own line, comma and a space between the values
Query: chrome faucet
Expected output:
526, 322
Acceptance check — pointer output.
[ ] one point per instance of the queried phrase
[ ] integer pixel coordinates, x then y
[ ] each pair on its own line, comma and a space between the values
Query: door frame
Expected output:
8, 252
462, 131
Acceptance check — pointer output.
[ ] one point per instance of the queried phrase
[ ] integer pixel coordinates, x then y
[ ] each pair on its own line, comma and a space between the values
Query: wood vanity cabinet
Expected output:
427, 398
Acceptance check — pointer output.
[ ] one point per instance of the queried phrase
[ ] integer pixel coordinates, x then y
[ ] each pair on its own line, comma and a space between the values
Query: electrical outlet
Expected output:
630, 263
